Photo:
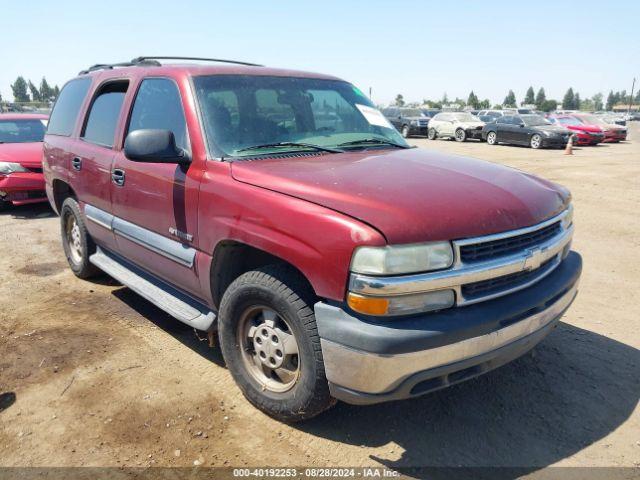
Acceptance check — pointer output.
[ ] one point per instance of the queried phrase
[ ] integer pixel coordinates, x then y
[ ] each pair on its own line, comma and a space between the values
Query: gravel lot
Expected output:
91, 374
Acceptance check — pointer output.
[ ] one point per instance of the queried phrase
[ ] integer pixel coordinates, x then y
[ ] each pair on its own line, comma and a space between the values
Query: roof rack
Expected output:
153, 61
219, 60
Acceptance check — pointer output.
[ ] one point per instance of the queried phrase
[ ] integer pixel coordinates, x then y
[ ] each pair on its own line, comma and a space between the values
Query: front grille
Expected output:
505, 246
35, 170
506, 282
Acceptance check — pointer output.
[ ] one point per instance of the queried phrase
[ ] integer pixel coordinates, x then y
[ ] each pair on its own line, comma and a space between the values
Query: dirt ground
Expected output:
91, 374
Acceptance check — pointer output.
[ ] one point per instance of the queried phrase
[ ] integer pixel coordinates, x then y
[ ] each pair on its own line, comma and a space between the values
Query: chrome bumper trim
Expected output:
374, 373
464, 273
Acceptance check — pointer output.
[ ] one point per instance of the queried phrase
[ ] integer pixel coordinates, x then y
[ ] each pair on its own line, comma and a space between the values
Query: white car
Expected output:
457, 125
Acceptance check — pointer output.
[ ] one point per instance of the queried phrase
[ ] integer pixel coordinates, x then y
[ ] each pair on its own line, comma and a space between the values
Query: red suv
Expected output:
282, 213
21, 180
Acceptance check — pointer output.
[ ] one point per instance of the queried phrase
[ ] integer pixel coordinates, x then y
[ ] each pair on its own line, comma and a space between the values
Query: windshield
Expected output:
465, 117
242, 114
21, 131
534, 120
411, 112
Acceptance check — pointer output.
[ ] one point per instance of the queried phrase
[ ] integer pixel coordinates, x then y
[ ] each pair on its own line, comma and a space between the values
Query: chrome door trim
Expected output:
168, 248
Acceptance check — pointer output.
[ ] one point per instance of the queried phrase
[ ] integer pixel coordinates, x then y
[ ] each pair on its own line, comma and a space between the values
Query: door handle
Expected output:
117, 176
76, 163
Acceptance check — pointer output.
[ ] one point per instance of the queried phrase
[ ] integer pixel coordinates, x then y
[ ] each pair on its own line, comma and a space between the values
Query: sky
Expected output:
420, 49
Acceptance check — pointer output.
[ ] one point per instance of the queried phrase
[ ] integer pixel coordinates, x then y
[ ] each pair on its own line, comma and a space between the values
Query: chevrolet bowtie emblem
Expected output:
533, 259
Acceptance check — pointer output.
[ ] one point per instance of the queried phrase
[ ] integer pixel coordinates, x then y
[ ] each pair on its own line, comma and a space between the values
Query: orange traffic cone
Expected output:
569, 149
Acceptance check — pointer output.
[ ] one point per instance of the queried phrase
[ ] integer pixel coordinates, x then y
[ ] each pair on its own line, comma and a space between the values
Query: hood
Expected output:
552, 128
585, 128
29, 155
412, 195
472, 124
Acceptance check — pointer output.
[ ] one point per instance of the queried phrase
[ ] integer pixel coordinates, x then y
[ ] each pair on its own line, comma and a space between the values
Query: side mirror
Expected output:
154, 146
521, 125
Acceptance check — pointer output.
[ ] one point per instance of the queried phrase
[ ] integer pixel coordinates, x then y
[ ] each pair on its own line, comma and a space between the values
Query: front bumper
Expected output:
555, 141
369, 361
21, 188
475, 133
418, 130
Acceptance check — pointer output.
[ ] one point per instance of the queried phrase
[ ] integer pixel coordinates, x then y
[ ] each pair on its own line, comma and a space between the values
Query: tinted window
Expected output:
103, 116
504, 120
21, 131
65, 111
158, 106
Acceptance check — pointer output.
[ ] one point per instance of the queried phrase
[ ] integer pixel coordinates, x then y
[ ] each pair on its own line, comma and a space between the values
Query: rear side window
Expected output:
158, 106
65, 112
100, 127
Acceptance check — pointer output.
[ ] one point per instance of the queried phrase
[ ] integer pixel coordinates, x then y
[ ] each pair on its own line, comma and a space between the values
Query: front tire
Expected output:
536, 141
432, 134
76, 241
460, 135
492, 138
270, 343
405, 131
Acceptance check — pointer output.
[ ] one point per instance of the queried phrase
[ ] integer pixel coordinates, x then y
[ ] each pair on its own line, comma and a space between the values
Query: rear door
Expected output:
93, 157
155, 205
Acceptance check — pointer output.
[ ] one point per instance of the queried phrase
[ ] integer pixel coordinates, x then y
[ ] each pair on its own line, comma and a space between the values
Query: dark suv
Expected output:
408, 121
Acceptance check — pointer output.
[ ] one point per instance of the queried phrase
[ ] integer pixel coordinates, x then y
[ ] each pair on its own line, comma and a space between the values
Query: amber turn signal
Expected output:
368, 305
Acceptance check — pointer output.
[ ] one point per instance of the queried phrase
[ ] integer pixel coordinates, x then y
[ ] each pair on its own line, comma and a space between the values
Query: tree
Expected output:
510, 99
46, 92
611, 100
473, 100
19, 88
399, 100
637, 99
576, 101
529, 98
568, 101
597, 101
548, 105
445, 99
484, 104
56, 92
35, 93
541, 97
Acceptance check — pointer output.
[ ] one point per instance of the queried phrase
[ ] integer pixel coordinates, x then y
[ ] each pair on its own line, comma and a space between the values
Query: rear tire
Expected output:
270, 343
76, 241
405, 131
432, 134
492, 138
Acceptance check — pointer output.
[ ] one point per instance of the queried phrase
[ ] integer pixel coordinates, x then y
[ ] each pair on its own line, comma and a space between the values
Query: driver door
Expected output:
155, 204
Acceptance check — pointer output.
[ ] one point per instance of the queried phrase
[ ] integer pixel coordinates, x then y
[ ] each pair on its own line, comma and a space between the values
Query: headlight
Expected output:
415, 122
400, 259
568, 218
10, 167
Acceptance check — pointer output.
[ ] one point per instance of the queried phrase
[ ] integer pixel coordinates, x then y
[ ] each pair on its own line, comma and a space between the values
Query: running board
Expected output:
165, 297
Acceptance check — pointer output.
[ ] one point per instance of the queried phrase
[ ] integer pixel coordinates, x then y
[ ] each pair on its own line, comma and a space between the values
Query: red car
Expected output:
612, 132
21, 179
584, 133
281, 212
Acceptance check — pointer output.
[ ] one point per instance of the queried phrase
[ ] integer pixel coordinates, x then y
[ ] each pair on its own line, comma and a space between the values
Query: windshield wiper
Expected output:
373, 141
290, 144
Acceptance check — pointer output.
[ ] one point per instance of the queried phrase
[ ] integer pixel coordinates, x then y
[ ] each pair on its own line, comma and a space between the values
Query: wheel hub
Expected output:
268, 346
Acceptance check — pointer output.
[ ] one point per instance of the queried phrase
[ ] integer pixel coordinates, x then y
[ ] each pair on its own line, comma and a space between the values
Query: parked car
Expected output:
457, 125
583, 133
612, 133
531, 130
332, 264
489, 115
429, 112
21, 180
408, 121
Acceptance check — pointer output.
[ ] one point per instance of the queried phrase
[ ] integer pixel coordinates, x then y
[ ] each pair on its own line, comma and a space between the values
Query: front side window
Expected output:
65, 111
535, 120
21, 131
100, 127
241, 112
158, 106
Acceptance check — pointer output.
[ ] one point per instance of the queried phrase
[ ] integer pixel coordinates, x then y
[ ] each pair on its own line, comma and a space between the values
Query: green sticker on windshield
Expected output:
357, 91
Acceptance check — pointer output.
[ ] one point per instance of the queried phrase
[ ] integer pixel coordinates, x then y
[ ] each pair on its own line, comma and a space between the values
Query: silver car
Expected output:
457, 125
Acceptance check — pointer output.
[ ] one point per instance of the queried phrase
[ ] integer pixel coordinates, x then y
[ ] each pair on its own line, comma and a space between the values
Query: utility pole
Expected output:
370, 92
631, 96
